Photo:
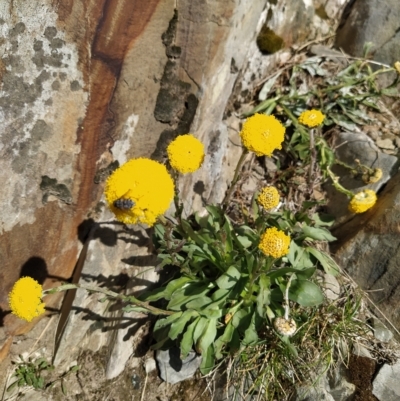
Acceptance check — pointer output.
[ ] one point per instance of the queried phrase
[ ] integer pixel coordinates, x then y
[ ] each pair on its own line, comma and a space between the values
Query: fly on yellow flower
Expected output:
139, 191
185, 154
268, 198
362, 201
25, 299
274, 243
262, 134
311, 118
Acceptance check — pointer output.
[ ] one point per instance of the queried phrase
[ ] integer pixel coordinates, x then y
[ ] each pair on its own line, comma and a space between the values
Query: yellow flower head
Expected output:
25, 299
185, 153
311, 118
268, 198
262, 134
139, 191
274, 243
362, 201
397, 66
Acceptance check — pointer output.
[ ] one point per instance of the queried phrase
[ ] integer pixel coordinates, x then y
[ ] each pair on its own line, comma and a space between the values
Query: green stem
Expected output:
340, 188
287, 297
235, 178
126, 298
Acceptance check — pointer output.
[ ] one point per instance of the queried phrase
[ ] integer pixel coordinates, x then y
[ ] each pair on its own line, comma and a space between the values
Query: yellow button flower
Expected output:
185, 154
274, 243
25, 299
397, 66
139, 191
262, 134
268, 198
362, 201
311, 118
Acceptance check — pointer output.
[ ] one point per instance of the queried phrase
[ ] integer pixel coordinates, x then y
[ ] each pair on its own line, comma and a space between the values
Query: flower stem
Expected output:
235, 178
287, 297
340, 188
127, 298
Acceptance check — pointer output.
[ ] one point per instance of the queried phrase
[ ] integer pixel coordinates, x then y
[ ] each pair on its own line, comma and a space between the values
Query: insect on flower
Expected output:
124, 203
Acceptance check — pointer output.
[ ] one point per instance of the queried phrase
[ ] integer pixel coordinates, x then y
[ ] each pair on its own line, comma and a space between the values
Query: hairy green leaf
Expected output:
305, 293
228, 279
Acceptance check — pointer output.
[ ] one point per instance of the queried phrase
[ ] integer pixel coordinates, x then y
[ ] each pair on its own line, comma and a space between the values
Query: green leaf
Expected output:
63, 388
198, 303
305, 293
390, 91
208, 360
322, 219
264, 294
175, 285
208, 336
187, 339
250, 335
243, 241
292, 349
178, 326
153, 295
190, 292
242, 318
199, 329
320, 234
250, 262
329, 265
161, 323
227, 229
228, 279
40, 382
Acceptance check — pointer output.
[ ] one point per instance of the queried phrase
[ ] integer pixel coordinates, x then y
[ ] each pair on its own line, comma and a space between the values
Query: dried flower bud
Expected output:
285, 327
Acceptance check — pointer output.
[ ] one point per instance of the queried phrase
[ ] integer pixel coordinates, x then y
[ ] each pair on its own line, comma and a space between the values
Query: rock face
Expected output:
371, 21
386, 385
369, 250
87, 85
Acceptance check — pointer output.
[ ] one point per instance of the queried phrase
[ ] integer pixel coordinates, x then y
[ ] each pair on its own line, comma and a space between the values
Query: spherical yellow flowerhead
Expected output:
311, 118
362, 201
25, 299
268, 198
397, 66
185, 154
262, 134
274, 243
139, 191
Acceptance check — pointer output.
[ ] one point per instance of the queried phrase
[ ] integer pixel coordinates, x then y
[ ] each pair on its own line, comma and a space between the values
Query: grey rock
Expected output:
173, 369
381, 332
344, 391
317, 393
250, 185
364, 24
386, 386
385, 143
339, 388
331, 287
270, 165
368, 247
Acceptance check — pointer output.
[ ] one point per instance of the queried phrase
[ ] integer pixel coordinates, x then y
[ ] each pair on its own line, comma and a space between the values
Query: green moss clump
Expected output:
268, 41
321, 12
